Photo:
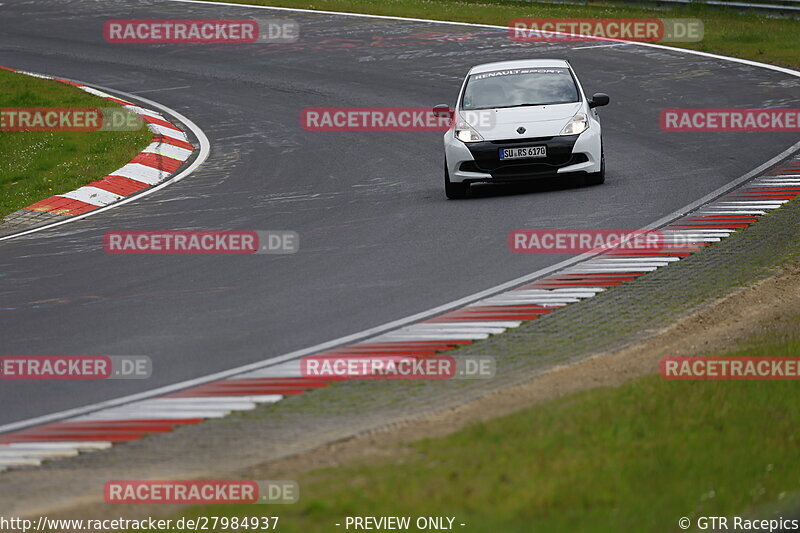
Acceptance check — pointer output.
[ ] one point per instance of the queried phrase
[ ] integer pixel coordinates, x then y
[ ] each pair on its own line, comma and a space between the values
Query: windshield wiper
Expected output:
519, 105
542, 103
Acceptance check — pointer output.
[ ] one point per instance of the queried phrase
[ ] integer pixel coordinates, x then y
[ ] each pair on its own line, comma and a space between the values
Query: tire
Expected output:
454, 191
598, 177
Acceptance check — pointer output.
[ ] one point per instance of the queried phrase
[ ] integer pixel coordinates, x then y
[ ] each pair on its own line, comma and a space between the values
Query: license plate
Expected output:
523, 152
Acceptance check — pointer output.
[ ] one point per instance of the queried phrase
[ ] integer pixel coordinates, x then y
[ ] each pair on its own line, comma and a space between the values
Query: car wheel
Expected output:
598, 177
454, 191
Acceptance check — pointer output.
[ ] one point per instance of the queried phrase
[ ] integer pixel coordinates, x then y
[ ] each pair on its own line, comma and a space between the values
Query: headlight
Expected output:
578, 124
465, 133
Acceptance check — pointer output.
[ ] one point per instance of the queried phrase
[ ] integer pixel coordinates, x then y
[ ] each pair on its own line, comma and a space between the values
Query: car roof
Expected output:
519, 63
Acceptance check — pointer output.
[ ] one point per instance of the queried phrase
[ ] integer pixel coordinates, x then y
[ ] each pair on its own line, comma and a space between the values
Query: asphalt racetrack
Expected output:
379, 241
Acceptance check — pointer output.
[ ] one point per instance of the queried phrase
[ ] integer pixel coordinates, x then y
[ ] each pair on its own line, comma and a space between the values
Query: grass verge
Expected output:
634, 458
38, 164
727, 32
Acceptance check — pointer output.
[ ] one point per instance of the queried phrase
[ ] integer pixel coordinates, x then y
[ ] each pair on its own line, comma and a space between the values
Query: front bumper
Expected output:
566, 155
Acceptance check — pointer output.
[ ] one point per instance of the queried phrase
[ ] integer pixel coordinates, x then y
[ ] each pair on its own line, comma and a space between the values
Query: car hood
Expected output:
538, 121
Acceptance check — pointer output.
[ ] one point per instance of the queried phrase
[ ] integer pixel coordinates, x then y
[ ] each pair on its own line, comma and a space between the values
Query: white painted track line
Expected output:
477, 323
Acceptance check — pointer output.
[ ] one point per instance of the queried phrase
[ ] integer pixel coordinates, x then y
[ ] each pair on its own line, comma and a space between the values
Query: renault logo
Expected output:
521, 130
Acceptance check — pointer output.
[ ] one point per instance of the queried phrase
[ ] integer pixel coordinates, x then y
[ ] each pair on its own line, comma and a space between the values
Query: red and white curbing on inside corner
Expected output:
493, 315
168, 151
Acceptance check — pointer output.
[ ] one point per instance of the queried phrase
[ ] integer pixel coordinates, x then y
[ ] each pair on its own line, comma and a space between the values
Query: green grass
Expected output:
634, 458
727, 32
37, 164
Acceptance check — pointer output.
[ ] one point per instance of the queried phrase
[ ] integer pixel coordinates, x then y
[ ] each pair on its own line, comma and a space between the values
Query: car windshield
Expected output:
519, 87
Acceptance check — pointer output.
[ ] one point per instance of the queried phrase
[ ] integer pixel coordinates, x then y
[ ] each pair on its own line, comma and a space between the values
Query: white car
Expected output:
522, 120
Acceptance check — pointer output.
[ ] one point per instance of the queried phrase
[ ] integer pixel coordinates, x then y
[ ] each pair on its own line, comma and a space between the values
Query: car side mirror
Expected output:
598, 100
442, 110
